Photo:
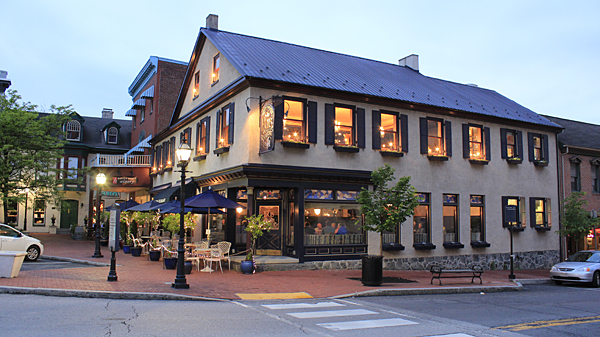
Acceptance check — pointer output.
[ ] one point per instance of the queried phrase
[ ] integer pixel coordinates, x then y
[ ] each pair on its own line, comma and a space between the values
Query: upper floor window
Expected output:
142, 113
293, 121
73, 129
390, 131
595, 176
476, 142
196, 90
541, 217
512, 145
225, 126
186, 137
202, 136
344, 126
538, 148
112, 135
575, 175
216, 67
513, 212
436, 137
142, 136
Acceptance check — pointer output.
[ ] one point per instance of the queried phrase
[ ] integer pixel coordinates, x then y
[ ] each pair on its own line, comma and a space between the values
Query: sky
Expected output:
545, 55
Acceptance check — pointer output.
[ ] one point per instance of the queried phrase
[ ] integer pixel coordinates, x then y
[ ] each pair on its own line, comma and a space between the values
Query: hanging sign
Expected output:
124, 180
267, 131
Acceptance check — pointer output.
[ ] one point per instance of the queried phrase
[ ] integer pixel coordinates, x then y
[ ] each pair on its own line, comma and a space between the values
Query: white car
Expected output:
13, 240
583, 266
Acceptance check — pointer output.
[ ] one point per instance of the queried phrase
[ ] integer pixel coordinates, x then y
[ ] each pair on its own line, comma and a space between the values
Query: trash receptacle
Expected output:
372, 270
10, 263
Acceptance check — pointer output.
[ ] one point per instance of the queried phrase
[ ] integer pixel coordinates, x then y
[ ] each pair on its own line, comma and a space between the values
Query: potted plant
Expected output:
154, 253
125, 237
384, 209
256, 227
136, 249
171, 223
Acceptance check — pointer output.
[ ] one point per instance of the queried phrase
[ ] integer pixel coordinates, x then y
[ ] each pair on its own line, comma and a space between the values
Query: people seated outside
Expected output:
308, 229
330, 229
319, 229
341, 229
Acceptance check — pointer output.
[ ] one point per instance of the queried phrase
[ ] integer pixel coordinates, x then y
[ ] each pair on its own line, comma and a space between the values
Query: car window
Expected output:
585, 257
7, 231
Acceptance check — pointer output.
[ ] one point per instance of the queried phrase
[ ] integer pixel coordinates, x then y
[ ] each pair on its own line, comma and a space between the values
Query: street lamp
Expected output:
183, 155
25, 217
100, 180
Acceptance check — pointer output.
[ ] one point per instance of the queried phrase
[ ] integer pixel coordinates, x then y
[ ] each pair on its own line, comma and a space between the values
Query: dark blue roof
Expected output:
279, 61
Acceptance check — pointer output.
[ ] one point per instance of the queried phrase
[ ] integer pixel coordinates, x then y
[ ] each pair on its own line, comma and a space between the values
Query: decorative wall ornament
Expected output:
267, 130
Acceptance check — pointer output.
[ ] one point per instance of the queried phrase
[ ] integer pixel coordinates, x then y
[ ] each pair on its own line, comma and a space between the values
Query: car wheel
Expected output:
596, 280
33, 253
558, 282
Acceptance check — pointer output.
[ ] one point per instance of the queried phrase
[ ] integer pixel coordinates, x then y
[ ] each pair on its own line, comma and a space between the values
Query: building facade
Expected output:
293, 133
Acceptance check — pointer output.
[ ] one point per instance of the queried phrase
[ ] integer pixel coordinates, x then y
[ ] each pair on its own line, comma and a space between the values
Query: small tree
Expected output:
576, 221
256, 227
171, 222
386, 207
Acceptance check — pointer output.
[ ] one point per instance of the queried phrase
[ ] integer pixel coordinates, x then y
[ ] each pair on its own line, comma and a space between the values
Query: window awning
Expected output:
139, 103
187, 181
160, 188
131, 113
149, 93
144, 144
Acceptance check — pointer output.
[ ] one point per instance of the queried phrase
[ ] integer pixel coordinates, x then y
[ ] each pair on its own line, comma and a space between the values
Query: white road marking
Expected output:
453, 335
344, 301
375, 323
332, 313
302, 305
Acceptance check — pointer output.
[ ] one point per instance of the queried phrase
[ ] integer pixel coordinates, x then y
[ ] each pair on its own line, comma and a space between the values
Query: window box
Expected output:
295, 145
349, 149
480, 244
542, 228
438, 158
391, 154
221, 150
423, 246
167, 169
199, 158
390, 247
514, 160
541, 163
453, 245
479, 161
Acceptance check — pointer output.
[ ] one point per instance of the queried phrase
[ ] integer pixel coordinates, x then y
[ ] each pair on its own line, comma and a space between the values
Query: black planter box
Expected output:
391, 154
221, 150
295, 145
438, 158
390, 247
480, 244
347, 149
453, 245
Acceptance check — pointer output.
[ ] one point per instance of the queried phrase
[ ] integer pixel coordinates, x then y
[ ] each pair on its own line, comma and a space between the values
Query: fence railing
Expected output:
332, 239
142, 160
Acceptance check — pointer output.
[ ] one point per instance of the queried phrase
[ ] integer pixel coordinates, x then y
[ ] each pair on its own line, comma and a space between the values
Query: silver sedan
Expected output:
583, 266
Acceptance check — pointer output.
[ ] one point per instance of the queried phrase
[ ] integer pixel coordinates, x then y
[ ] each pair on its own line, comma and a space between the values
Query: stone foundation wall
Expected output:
523, 260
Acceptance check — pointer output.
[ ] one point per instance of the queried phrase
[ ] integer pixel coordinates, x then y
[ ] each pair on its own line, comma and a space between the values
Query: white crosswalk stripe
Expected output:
302, 305
332, 313
375, 323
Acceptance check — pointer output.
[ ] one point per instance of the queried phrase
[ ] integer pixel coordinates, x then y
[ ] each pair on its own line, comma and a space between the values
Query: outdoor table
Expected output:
205, 252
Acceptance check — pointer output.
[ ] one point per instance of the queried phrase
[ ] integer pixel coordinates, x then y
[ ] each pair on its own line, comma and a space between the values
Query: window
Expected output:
595, 177
538, 148
225, 126
575, 176
513, 212
216, 67
421, 220
186, 137
73, 129
540, 213
344, 126
511, 145
327, 223
141, 136
476, 142
142, 113
450, 222
12, 210
39, 212
202, 136
293, 121
113, 134
436, 137
196, 90
388, 131
133, 118
72, 166
477, 218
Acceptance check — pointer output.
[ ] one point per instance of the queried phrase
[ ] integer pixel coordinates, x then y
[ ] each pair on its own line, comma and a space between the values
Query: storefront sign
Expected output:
111, 194
267, 131
124, 180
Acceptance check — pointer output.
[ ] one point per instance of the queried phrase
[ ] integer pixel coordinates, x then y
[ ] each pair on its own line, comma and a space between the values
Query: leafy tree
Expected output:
386, 207
256, 227
30, 147
171, 222
576, 221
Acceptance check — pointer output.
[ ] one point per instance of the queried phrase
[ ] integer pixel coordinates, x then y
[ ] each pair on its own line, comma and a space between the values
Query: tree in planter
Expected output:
256, 227
171, 222
384, 209
576, 221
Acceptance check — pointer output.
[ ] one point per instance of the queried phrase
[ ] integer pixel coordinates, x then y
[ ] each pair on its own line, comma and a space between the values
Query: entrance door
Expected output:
270, 242
68, 213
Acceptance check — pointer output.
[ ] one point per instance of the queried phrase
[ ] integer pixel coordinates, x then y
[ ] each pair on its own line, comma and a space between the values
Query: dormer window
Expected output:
216, 67
112, 135
73, 129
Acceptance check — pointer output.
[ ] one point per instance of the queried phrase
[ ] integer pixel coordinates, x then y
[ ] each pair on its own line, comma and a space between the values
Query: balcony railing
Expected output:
120, 160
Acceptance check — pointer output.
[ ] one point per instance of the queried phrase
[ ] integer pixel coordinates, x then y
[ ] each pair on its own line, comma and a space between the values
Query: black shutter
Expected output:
520, 144
376, 125
488, 148
207, 140
404, 133
530, 145
504, 204
173, 158
466, 145
312, 122
448, 126
424, 135
329, 124
152, 156
278, 126
360, 127
545, 147
503, 146
532, 212
218, 129
231, 128
198, 133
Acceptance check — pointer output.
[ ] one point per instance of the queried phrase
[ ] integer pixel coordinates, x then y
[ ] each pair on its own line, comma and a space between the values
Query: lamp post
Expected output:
512, 270
25, 217
100, 180
183, 155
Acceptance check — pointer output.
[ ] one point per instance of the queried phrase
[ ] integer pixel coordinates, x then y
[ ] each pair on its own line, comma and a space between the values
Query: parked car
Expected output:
13, 240
583, 266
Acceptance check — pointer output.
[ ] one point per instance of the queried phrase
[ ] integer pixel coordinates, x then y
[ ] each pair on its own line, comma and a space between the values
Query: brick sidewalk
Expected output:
139, 275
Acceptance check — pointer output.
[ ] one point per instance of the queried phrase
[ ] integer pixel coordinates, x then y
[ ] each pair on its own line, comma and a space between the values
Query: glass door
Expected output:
270, 242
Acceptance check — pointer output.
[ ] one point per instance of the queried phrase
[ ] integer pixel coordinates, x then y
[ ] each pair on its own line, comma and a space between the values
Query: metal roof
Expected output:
273, 60
580, 134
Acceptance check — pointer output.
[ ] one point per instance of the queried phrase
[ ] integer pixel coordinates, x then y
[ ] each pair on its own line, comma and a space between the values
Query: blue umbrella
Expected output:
210, 199
175, 207
125, 205
145, 207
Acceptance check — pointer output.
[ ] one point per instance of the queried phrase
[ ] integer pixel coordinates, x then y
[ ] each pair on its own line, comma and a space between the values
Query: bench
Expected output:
438, 272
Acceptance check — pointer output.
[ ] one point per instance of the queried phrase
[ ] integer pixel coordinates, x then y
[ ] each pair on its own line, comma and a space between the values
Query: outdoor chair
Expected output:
215, 256
224, 247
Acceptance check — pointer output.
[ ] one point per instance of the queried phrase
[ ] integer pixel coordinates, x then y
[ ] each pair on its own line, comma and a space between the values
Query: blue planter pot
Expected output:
170, 262
247, 267
126, 249
154, 255
188, 267
136, 251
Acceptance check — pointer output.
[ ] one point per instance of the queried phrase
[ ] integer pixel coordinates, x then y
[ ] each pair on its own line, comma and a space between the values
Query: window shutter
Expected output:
312, 122
548, 210
152, 154
523, 213
532, 211
424, 138
520, 144
503, 146
376, 125
504, 204
198, 133
530, 145
329, 124
465, 137
218, 129
404, 132
448, 126
173, 158
231, 125
207, 140
545, 147
189, 136
488, 148
360, 127
279, 112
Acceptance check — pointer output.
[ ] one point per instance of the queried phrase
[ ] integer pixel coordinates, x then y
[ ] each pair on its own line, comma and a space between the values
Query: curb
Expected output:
432, 291
68, 259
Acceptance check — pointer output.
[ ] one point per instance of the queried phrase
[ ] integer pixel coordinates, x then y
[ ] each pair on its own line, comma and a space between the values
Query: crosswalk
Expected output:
329, 315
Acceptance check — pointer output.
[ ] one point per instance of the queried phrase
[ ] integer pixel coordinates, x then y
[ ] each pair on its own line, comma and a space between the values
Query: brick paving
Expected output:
139, 275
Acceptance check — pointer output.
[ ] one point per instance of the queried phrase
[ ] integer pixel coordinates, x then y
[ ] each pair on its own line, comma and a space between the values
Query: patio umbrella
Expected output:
145, 207
210, 199
125, 205
175, 206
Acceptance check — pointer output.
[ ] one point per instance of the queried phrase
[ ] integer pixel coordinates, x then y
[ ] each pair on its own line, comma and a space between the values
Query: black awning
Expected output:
173, 193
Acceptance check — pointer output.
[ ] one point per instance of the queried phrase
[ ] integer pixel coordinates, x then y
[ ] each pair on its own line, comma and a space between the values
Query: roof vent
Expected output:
473, 85
107, 113
212, 21
411, 61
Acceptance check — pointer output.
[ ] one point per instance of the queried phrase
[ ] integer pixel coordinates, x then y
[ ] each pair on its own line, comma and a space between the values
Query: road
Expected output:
566, 311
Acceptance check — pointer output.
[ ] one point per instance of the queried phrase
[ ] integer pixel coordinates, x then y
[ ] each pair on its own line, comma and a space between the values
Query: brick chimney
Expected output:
107, 113
212, 21
411, 61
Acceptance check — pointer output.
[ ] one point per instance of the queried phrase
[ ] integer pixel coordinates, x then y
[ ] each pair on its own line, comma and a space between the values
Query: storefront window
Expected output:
332, 224
241, 224
421, 223
450, 224
39, 211
12, 213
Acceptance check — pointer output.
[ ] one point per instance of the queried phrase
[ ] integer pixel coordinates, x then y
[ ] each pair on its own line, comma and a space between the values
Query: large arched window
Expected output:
73, 129
112, 135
